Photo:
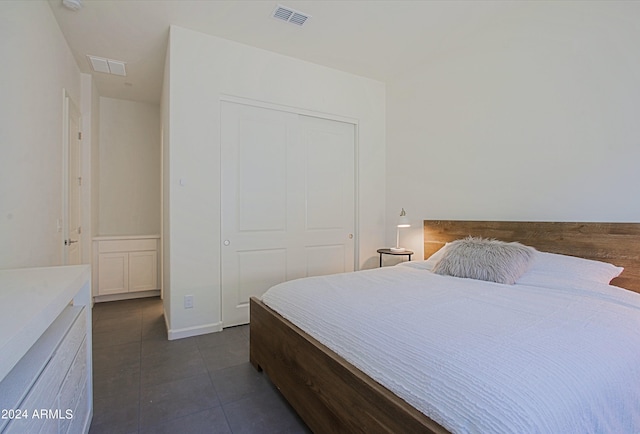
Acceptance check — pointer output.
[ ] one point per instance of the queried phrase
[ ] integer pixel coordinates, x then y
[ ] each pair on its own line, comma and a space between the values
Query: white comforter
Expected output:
482, 357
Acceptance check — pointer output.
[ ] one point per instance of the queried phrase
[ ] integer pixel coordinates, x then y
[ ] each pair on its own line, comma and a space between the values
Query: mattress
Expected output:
481, 357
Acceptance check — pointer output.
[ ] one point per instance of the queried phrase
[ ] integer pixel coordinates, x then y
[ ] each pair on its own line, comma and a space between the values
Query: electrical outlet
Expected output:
188, 301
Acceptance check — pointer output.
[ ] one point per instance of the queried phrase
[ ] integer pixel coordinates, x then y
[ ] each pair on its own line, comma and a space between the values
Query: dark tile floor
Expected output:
144, 383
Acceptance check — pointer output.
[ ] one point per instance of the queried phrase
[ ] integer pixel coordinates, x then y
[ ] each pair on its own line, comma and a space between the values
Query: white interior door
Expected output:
73, 229
255, 191
287, 201
326, 206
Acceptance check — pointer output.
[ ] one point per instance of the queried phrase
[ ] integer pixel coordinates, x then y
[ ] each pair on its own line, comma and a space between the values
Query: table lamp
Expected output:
403, 222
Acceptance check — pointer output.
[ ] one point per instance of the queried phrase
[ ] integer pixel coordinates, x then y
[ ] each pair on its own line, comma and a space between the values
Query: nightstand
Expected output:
390, 252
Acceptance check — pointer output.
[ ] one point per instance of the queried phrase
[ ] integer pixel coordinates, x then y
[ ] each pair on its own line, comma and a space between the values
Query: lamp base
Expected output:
397, 249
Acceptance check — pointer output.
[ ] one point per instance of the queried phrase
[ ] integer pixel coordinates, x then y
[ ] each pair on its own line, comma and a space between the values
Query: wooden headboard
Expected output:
617, 243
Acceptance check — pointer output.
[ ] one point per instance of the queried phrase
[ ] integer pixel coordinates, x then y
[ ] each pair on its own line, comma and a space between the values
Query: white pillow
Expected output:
485, 259
427, 264
435, 258
551, 269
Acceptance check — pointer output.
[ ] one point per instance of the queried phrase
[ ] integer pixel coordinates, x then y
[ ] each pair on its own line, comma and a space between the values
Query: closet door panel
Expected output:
325, 178
255, 195
258, 269
262, 174
326, 259
329, 194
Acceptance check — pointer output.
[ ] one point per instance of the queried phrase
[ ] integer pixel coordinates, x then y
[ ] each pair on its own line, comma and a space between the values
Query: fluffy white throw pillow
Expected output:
485, 259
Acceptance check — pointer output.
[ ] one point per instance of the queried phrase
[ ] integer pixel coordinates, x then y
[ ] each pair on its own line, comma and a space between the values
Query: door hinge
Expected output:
79, 230
80, 181
79, 135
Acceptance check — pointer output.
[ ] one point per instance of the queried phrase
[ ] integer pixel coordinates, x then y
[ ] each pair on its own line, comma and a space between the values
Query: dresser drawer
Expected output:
76, 424
73, 386
74, 383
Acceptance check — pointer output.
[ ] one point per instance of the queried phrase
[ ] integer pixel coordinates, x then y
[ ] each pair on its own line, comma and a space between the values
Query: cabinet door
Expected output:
143, 271
113, 273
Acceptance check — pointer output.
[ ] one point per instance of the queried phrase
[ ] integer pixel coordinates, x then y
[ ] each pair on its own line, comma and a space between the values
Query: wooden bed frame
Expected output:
332, 396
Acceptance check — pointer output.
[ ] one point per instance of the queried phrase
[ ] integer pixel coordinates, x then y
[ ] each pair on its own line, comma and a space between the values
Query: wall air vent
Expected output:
290, 15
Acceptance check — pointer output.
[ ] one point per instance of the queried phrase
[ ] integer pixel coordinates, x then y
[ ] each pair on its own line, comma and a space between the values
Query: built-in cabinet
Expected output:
126, 267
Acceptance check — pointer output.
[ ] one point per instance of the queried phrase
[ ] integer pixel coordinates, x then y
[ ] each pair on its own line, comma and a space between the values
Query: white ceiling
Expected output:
376, 39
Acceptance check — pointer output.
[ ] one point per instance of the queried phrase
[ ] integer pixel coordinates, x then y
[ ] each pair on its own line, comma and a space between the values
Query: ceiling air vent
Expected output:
108, 66
290, 15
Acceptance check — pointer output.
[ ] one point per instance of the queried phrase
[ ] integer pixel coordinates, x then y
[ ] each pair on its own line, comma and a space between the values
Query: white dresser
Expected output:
126, 267
45, 350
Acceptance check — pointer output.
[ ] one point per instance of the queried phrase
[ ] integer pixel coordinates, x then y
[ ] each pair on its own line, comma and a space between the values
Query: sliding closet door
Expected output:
327, 202
287, 201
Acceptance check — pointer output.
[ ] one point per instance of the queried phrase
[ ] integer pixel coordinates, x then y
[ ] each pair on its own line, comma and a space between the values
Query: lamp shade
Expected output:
403, 220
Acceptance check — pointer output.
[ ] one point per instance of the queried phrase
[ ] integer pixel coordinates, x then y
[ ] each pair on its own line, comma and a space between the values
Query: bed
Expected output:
332, 394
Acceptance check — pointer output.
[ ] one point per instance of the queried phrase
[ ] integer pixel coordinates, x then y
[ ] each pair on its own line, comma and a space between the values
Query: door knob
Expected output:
226, 242
69, 242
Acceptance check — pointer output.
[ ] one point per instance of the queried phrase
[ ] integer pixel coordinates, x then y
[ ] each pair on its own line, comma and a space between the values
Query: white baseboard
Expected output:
188, 332
126, 296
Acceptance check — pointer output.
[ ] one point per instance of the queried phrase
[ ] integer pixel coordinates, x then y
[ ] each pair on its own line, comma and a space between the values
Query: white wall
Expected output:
90, 108
36, 66
129, 170
533, 119
202, 68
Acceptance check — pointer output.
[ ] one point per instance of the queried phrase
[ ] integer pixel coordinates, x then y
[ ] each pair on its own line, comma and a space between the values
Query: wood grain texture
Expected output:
329, 394
616, 243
